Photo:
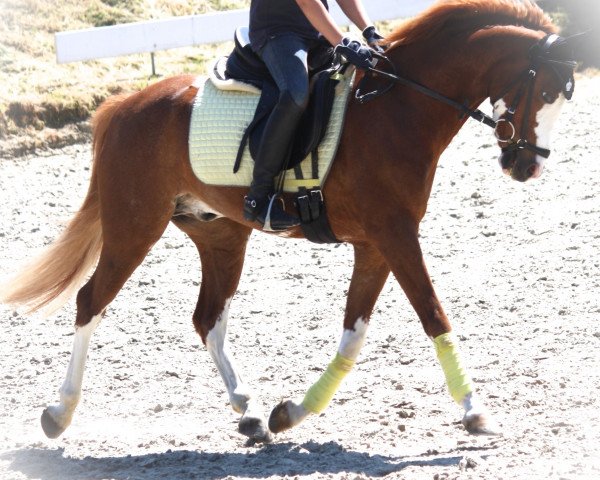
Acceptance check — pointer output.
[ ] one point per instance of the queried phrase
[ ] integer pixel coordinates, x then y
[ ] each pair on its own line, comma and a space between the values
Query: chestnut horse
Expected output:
377, 193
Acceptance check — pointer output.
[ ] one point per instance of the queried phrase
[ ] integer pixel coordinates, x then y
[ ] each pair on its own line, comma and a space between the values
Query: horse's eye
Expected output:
547, 97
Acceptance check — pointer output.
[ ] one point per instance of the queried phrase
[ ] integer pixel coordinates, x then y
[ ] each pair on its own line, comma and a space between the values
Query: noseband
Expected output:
539, 54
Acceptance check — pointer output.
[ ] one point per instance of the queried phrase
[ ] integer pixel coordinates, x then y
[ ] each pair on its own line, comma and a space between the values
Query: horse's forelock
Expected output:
471, 14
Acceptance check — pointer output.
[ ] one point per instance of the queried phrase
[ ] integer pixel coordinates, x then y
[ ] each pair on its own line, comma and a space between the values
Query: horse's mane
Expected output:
462, 15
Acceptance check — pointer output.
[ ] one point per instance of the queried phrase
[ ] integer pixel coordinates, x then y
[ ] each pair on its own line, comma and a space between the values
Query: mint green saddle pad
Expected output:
219, 118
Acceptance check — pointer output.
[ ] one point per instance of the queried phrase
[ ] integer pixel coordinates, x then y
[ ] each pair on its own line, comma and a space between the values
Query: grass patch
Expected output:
46, 105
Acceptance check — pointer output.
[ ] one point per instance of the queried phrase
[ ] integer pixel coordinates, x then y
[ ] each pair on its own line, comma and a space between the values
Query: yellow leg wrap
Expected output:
320, 394
459, 383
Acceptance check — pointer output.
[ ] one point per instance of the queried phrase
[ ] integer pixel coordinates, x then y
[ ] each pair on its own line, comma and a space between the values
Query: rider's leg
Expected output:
286, 58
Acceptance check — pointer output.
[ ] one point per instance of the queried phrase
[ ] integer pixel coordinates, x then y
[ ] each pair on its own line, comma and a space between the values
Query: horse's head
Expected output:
527, 108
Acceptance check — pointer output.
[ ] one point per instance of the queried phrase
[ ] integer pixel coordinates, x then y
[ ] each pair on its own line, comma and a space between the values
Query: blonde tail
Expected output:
50, 280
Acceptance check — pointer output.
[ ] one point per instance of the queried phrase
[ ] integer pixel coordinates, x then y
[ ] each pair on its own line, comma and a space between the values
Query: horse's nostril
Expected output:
507, 160
532, 171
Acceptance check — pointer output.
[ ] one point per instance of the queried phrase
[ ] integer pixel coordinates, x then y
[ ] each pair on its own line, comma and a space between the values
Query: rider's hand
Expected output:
355, 53
372, 37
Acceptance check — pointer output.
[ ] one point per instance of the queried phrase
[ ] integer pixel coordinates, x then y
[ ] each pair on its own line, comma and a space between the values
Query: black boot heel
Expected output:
270, 213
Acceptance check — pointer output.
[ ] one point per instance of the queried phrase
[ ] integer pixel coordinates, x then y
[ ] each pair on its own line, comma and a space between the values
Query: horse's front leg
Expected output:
222, 247
369, 276
400, 247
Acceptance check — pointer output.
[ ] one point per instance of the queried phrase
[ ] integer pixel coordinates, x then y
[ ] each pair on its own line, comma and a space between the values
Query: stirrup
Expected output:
271, 216
267, 226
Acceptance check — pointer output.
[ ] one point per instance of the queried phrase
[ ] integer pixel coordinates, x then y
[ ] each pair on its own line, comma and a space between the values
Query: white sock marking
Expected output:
545, 119
218, 347
70, 391
352, 340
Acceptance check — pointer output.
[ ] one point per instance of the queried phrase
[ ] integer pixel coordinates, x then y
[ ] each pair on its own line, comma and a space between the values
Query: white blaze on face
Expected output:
545, 119
500, 109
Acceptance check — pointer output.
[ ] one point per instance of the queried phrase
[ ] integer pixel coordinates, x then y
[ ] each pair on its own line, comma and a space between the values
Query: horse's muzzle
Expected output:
507, 160
519, 165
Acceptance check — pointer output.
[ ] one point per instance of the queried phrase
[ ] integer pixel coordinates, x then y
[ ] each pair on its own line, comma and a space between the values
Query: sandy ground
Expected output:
516, 266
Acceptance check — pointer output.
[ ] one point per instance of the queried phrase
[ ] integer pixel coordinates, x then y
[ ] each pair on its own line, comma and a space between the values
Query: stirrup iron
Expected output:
267, 226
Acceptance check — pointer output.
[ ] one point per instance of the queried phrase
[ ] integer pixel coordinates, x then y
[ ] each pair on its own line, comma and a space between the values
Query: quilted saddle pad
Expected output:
219, 118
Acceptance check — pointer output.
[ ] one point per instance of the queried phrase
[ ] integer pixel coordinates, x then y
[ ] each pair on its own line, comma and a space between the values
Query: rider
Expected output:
281, 33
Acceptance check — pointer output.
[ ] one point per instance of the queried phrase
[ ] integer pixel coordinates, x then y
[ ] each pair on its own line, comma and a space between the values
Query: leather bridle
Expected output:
539, 55
542, 53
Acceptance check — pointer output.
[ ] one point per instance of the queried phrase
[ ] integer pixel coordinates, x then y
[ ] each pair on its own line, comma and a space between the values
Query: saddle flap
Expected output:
313, 123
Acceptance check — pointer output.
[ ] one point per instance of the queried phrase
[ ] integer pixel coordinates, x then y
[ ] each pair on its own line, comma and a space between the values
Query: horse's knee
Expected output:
211, 316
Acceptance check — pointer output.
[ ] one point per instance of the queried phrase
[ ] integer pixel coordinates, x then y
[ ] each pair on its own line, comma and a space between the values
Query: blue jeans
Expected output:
286, 59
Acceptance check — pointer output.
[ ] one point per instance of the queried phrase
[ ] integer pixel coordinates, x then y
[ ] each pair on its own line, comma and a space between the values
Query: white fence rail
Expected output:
152, 36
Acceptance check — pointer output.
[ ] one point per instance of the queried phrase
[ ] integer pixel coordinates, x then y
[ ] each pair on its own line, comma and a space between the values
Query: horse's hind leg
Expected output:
56, 418
222, 247
369, 276
124, 248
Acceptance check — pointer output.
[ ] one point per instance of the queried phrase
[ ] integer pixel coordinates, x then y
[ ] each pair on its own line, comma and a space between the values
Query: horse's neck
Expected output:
467, 73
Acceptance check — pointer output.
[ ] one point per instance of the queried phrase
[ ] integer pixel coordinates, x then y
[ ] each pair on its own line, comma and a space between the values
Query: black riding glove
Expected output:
372, 37
355, 53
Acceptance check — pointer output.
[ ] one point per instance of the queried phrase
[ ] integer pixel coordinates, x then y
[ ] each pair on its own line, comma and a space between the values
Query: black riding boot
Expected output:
273, 151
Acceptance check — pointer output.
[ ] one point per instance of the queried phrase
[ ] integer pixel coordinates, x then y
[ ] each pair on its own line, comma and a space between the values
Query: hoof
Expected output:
49, 425
480, 424
255, 430
279, 420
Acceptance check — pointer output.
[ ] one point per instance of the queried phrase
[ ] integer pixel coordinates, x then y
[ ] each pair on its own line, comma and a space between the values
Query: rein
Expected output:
539, 54
464, 109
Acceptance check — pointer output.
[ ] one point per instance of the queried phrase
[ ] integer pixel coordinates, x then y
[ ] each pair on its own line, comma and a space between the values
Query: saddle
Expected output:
243, 65
244, 70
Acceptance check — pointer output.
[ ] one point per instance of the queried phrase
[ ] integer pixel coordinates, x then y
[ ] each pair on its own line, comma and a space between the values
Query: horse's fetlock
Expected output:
240, 399
69, 398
